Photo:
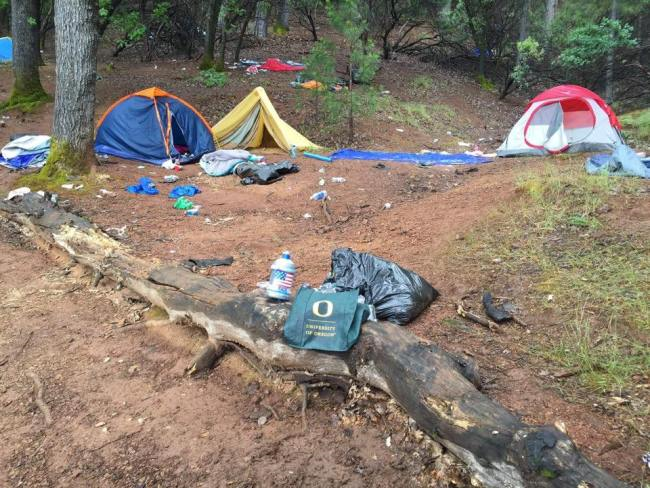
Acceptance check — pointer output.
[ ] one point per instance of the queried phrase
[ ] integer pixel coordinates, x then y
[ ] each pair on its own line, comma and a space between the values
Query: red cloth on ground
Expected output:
274, 64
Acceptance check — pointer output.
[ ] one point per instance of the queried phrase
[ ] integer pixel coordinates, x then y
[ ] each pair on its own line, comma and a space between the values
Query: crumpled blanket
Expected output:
622, 162
223, 161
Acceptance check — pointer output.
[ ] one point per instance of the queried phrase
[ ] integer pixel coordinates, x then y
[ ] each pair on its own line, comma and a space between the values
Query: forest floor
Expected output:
123, 412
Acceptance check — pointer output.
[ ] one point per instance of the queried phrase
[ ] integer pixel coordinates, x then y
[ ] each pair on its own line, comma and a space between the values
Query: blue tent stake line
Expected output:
424, 159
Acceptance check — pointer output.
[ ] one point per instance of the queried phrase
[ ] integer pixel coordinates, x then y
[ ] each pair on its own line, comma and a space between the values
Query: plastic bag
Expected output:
398, 295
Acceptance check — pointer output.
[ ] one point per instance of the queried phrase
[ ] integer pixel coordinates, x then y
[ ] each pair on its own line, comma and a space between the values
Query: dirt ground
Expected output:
123, 412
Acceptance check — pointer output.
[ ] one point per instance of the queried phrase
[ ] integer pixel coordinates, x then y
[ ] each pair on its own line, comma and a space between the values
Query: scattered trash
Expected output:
145, 186
293, 151
321, 182
550, 298
107, 193
193, 212
262, 420
140, 167
194, 263
223, 161
171, 165
283, 274
183, 203
448, 132
67, 186
326, 159
399, 130
184, 191
78, 187
170, 179
319, 196
388, 442
18, 192
274, 64
307, 216
387, 205
464, 144
322, 170
338, 179
398, 295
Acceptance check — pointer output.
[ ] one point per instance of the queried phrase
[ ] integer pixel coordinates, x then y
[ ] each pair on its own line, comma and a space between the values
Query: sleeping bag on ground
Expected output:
398, 295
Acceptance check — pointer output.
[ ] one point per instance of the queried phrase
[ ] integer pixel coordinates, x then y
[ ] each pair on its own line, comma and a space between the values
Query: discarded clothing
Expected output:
184, 191
183, 203
622, 162
145, 186
274, 64
223, 161
264, 174
28, 151
207, 263
426, 159
398, 295
306, 327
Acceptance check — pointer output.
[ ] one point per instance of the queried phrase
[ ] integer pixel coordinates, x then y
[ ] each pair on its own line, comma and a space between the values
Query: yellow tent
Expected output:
255, 123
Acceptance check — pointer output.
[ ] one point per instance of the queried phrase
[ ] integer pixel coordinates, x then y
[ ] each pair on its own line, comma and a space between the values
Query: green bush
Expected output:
212, 78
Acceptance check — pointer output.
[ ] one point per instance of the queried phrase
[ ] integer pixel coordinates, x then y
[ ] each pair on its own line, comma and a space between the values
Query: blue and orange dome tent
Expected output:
153, 126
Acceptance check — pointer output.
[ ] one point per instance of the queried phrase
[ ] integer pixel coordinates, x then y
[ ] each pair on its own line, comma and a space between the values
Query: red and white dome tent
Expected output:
566, 118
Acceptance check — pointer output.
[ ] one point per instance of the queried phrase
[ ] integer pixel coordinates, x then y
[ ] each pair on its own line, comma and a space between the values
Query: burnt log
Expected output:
433, 387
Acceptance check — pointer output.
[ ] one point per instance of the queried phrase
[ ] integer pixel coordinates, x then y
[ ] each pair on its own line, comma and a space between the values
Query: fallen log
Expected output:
433, 387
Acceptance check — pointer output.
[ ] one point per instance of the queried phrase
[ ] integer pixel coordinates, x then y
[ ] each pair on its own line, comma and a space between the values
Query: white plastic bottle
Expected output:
283, 276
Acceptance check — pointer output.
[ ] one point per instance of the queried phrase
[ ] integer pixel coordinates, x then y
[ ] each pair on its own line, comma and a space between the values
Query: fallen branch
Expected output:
38, 400
432, 387
466, 314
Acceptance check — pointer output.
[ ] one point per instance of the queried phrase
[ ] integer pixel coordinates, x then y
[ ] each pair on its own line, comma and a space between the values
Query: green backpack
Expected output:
325, 321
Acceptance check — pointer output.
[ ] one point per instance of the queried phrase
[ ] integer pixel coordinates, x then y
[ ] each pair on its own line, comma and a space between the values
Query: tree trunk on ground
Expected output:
261, 20
609, 73
435, 388
27, 89
284, 10
74, 104
207, 60
250, 10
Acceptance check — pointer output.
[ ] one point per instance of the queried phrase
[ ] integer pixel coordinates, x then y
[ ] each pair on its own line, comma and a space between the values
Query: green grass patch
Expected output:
422, 82
599, 275
637, 124
25, 103
212, 78
414, 114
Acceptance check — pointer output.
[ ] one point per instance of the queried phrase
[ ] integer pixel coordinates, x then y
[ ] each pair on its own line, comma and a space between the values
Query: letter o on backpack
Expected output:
317, 308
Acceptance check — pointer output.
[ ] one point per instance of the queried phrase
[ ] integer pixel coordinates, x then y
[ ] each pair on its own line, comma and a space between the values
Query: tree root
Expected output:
45, 410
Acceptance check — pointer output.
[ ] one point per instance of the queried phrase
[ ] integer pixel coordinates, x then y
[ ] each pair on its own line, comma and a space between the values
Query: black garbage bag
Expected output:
264, 174
398, 295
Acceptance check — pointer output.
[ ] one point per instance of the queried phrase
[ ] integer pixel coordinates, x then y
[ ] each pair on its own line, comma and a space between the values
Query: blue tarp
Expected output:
622, 162
32, 160
132, 130
6, 50
425, 159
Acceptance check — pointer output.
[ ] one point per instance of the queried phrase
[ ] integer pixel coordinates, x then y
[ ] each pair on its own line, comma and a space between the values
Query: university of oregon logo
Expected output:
323, 308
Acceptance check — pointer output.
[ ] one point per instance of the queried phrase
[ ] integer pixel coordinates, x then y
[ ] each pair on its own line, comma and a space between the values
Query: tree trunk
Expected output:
261, 20
436, 389
609, 73
207, 61
74, 104
250, 9
523, 24
284, 10
551, 9
220, 63
27, 89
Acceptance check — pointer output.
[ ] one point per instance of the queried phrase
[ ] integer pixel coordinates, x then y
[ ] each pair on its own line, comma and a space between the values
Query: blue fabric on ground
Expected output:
31, 160
184, 191
144, 187
622, 162
425, 159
